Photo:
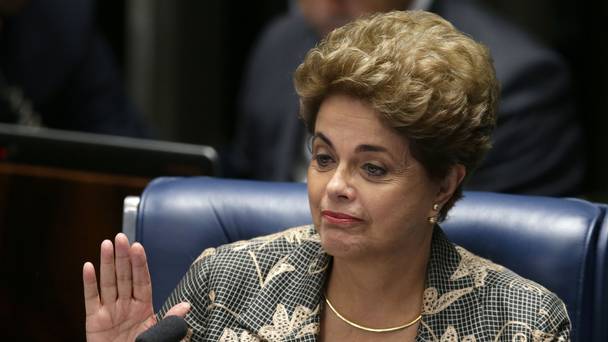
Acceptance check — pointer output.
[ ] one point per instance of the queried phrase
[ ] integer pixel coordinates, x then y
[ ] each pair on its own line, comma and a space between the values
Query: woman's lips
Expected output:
334, 217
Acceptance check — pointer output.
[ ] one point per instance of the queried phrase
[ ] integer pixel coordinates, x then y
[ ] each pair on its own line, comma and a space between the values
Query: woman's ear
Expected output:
450, 183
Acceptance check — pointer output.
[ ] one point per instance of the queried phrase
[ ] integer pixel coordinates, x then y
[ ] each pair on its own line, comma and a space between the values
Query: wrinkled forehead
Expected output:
349, 123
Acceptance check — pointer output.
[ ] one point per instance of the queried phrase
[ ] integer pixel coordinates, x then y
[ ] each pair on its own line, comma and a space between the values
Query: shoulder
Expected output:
284, 28
242, 257
268, 85
511, 47
511, 302
223, 282
483, 24
288, 34
235, 286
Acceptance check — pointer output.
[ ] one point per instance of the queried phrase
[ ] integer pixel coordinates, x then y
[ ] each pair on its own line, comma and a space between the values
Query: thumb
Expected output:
179, 310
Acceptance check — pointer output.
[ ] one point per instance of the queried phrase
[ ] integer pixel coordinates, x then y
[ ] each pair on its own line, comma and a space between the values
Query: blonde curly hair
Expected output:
429, 81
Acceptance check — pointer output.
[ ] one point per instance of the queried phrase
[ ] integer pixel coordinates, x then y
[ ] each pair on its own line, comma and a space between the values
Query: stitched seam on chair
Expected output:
588, 258
218, 218
600, 277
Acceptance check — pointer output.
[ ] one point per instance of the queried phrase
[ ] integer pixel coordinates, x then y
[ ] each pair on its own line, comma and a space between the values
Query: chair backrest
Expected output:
600, 312
551, 241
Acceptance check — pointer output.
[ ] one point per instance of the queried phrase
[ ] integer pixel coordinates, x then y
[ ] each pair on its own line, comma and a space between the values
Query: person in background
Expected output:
57, 71
538, 146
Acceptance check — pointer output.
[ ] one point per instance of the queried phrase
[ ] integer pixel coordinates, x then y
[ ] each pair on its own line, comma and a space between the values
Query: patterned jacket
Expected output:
271, 289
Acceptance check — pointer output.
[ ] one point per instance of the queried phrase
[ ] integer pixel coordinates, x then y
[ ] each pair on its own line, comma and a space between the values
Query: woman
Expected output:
400, 107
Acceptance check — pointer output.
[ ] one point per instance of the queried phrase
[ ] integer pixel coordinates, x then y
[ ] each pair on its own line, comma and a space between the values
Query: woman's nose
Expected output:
339, 187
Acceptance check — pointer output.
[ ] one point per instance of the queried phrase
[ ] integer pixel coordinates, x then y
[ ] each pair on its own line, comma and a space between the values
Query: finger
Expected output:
107, 273
142, 286
123, 267
91, 295
180, 310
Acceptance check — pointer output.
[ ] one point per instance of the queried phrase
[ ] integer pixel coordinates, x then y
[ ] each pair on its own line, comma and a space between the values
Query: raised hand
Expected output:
124, 308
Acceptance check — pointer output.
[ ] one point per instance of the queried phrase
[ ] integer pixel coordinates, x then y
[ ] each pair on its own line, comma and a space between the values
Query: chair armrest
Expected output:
129, 217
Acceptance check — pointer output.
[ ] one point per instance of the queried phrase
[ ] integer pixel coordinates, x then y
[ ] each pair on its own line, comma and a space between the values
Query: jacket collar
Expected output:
297, 300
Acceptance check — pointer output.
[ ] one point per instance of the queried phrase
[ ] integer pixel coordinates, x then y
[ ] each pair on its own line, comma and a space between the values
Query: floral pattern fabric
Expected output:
271, 289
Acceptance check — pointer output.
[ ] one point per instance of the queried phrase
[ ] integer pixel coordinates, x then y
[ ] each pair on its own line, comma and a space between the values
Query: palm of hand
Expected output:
120, 322
123, 308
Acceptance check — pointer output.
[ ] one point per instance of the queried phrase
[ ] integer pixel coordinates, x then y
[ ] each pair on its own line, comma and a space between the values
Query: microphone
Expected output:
169, 329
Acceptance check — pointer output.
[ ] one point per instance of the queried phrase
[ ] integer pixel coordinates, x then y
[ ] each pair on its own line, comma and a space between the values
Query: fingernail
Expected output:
186, 305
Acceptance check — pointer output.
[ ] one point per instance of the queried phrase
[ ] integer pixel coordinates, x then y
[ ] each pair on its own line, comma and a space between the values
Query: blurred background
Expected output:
182, 63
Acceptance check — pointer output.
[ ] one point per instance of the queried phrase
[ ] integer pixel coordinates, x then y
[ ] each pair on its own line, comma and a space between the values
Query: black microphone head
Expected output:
169, 329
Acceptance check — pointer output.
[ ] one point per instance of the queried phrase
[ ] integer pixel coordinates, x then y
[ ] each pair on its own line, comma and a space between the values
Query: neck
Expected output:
381, 291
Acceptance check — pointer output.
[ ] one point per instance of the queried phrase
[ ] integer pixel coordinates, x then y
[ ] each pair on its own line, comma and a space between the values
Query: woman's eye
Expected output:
374, 170
323, 160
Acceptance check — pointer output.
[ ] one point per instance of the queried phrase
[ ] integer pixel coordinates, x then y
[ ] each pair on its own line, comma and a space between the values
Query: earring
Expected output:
433, 219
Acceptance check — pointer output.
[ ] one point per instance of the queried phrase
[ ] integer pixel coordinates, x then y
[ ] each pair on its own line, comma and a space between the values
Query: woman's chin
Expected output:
339, 244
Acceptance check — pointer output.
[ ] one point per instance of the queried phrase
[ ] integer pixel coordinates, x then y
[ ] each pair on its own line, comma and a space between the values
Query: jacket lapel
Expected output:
288, 304
449, 279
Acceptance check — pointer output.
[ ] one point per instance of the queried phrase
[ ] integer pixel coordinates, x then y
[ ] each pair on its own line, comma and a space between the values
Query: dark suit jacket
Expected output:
271, 289
537, 144
54, 53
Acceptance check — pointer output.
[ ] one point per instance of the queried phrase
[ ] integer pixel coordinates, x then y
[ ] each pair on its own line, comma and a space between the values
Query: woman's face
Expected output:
368, 195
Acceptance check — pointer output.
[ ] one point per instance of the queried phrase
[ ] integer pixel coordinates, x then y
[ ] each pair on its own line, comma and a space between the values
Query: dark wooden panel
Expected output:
52, 221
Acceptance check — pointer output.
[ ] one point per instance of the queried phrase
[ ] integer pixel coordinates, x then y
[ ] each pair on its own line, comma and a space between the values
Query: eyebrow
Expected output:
371, 148
359, 149
324, 138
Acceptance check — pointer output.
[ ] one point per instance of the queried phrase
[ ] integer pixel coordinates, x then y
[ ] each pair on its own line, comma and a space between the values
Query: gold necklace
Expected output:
377, 330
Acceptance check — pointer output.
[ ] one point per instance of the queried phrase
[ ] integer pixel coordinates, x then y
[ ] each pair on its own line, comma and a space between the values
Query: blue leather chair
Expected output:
600, 313
559, 243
